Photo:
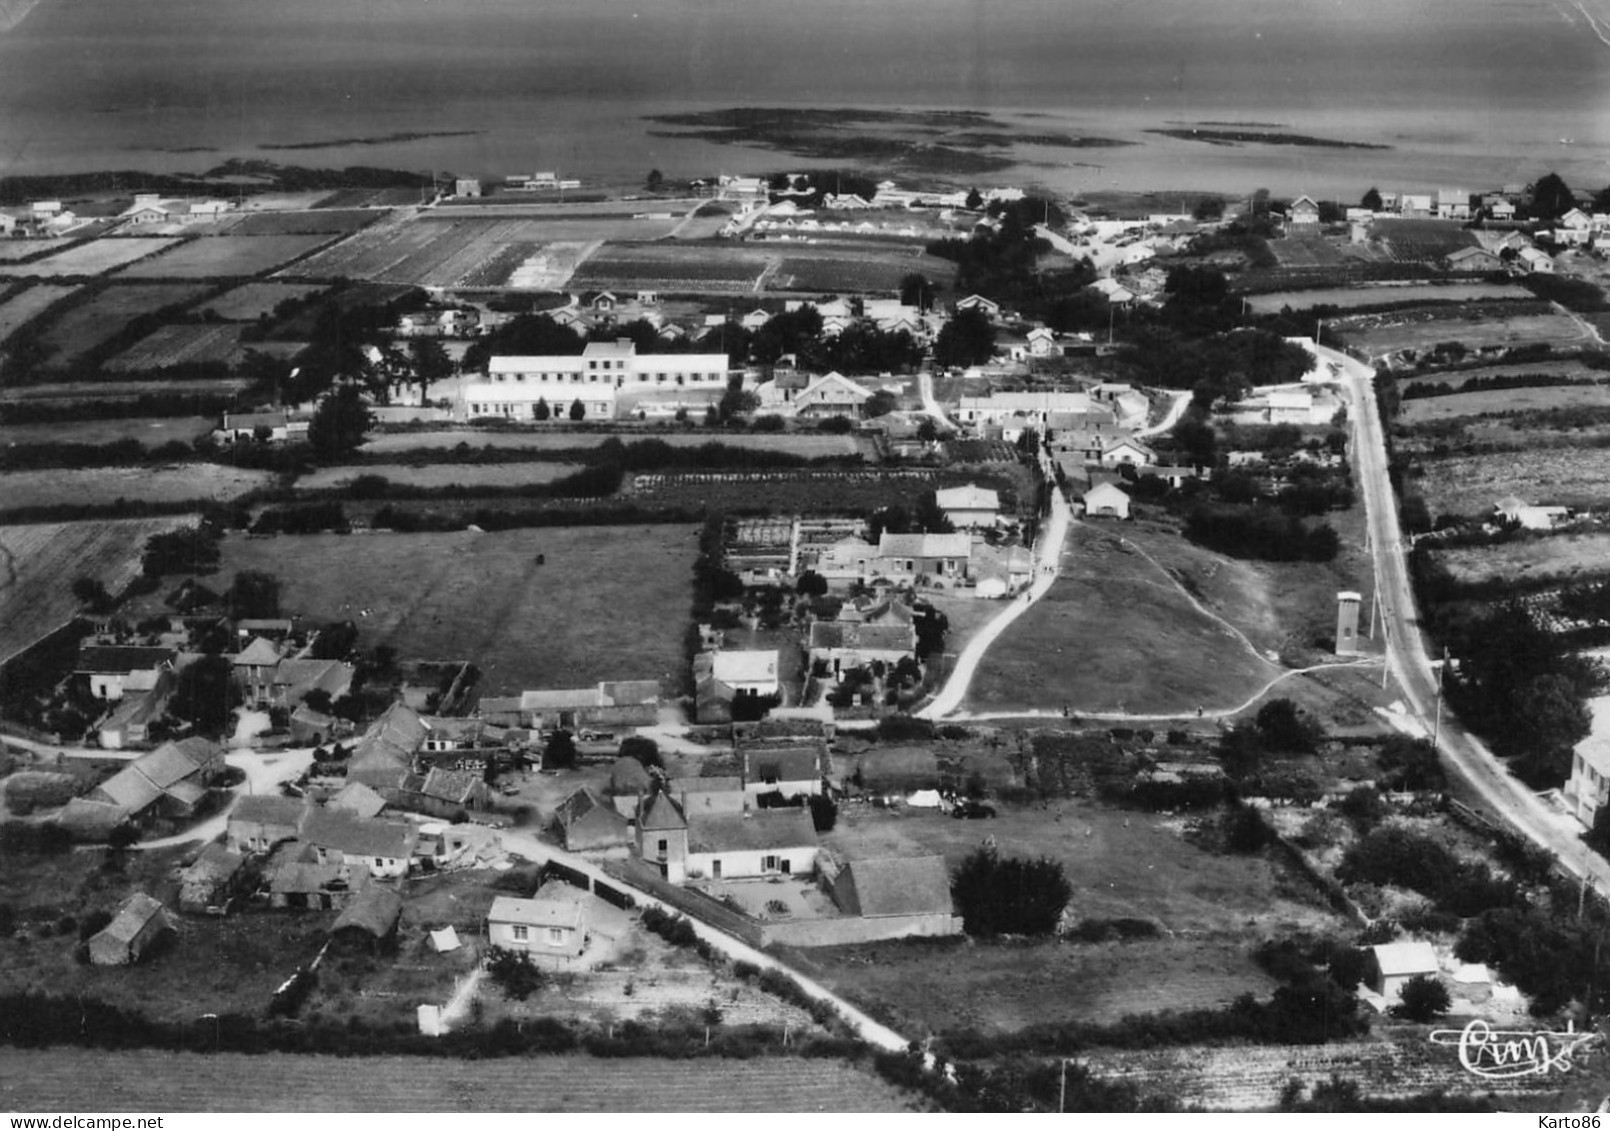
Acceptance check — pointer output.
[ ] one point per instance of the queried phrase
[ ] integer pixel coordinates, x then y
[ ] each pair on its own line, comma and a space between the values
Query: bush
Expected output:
514, 973
1424, 998
1011, 896
904, 728
1113, 930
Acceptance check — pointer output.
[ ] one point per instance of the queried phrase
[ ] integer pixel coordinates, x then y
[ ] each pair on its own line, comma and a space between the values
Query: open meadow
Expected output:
441, 474
607, 602
1469, 485
1381, 295
1420, 410
250, 301
39, 561
92, 486
869, 266
1474, 326
147, 1080
21, 309
809, 444
94, 258
716, 268
178, 344
219, 256
11, 250
152, 431
1565, 559
90, 323
320, 221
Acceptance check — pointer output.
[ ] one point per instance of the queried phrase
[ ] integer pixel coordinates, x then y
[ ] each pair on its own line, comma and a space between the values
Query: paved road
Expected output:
925, 385
1406, 654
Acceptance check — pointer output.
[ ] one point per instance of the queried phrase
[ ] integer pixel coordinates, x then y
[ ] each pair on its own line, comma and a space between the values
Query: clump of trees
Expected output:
1009, 895
1261, 535
514, 972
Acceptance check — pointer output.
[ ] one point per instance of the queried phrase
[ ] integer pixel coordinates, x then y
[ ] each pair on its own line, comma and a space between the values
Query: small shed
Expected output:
369, 921
1393, 964
138, 923
206, 886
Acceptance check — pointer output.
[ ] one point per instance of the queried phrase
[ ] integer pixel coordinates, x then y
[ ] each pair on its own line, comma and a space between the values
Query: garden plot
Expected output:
1476, 326
324, 221
1561, 560
94, 258
1349, 297
18, 311
250, 302
869, 267
1420, 410
1470, 485
100, 485
87, 325
178, 345
680, 268
218, 256
442, 475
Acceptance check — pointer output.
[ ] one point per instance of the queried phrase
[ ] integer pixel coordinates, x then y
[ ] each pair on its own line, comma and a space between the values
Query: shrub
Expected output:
1111, 930
514, 973
1010, 896
1424, 998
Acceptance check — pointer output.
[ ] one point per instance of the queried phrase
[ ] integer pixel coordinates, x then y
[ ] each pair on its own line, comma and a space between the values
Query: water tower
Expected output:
1347, 604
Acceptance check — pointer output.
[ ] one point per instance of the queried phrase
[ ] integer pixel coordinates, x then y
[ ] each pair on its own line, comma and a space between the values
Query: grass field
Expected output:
12, 250
800, 443
38, 563
90, 486
323, 221
1423, 409
17, 312
1471, 484
178, 343
101, 390
99, 1080
442, 474
248, 302
94, 258
609, 602
153, 432
91, 323
711, 268
1425, 327
216, 256
867, 267
1564, 560
1348, 297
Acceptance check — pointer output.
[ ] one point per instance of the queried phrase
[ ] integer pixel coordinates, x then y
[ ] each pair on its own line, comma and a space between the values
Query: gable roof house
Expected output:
386, 848
205, 887
109, 668
585, 822
169, 783
662, 836
936, 559
751, 671
831, 394
551, 924
1391, 965
844, 645
1302, 212
296, 880
1106, 500
357, 799
791, 769
384, 756
1131, 452
369, 921
761, 842
970, 506
139, 921
1473, 259
913, 891
613, 703
259, 821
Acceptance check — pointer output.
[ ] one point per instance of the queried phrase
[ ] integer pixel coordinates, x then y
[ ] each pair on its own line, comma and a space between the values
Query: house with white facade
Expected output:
970, 506
596, 378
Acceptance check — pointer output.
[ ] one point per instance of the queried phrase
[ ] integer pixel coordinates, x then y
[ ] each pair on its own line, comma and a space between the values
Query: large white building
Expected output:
597, 378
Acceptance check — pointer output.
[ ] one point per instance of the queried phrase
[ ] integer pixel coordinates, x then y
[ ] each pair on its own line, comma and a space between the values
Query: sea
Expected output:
1471, 94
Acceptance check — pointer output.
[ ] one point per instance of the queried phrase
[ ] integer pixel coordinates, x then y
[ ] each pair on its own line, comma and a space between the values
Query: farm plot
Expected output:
606, 602
148, 1080
1420, 410
801, 444
1470, 485
1306, 251
216, 256
151, 431
88, 325
1421, 241
442, 475
99, 485
868, 268
102, 391
1477, 327
253, 300
37, 562
94, 258
798, 492
707, 268
324, 221
1563, 559
1349, 297
177, 344
12, 250
16, 312
395, 197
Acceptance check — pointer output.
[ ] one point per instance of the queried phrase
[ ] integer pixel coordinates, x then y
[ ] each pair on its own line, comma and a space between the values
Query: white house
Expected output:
514, 385
969, 506
1534, 261
940, 558
1131, 452
1589, 784
1391, 966
551, 924
752, 671
832, 394
1105, 500
762, 842
1290, 406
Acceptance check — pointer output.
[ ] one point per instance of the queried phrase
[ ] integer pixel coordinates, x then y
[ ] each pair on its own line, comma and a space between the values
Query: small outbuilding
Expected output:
1392, 965
551, 923
1105, 500
369, 921
207, 885
139, 922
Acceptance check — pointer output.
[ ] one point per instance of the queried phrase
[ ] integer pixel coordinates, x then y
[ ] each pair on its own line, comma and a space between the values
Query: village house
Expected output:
1515, 511
171, 783
1106, 500
832, 394
551, 924
1033, 407
110, 670
211, 880
384, 847
1391, 965
845, 645
585, 822
514, 386
761, 842
1474, 260
260, 821
145, 695
357, 799
1000, 570
1302, 213
1290, 406
911, 892
1453, 204
970, 506
297, 881
662, 836
1588, 787
791, 769
753, 672
1130, 452
275, 426
383, 758
369, 922
1534, 261
612, 703
138, 923
938, 558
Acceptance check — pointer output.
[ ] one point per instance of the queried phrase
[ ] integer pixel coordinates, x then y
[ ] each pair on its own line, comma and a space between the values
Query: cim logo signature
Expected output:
1509, 1054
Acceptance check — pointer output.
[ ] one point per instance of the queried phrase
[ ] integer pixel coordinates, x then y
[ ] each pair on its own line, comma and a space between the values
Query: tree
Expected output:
1551, 197
929, 518
253, 593
430, 362
974, 201
1208, 210
560, 751
1012, 896
736, 401
1197, 440
1423, 999
91, 593
1371, 199
578, 411
927, 430
880, 403
339, 423
1285, 727
205, 694
540, 410
1410, 764
645, 750
967, 339
654, 181
514, 972
916, 290
811, 584
192, 549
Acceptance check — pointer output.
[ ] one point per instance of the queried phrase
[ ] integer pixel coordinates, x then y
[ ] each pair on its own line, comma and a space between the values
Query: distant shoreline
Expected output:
1259, 137
377, 139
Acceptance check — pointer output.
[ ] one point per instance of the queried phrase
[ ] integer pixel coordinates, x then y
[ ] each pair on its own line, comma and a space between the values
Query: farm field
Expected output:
1346, 297
1564, 559
176, 344
99, 485
89, 324
153, 432
442, 474
1420, 410
803, 443
12, 250
1563, 367
147, 1080
1423, 328
712, 268
1471, 484
18, 311
248, 302
94, 258
1306, 251
323, 221
215, 256
101, 390
38, 561
808, 492
454, 252
868, 267
395, 197
608, 602
1421, 241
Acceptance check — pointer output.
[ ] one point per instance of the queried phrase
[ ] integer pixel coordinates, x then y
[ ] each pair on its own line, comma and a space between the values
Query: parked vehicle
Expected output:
972, 810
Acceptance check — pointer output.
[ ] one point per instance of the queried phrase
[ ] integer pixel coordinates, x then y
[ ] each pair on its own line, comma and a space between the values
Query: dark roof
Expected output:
763, 828
872, 637
120, 660
374, 910
900, 885
355, 836
783, 762
355, 797
132, 916
269, 809
660, 813
456, 786
384, 755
